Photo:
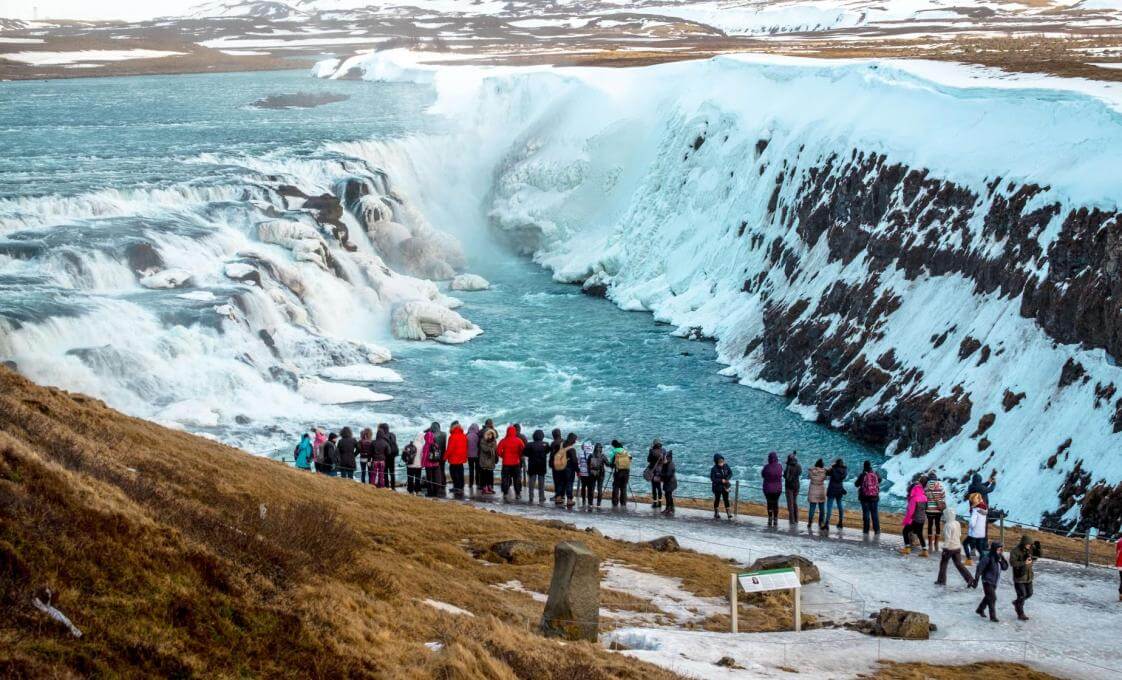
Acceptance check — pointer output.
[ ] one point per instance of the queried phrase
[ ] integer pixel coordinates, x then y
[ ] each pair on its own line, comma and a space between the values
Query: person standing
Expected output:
983, 489
510, 453
772, 474
914, 517
936, 503
379, 456
988, 574
835, 492
391, 457
792, 473
651, 474
620, 461
572, 467
365, 454
669, 478
346, 451
1118, 565
597, 464
537, 460
952, 549
440, 446
325, 463
720, 477
868, 494
412, 460
302, 454
318, 440
488, 460
977, 529
473, 454
1021, 559
555, 465
429, 462
816, 495
583, 455
457, 457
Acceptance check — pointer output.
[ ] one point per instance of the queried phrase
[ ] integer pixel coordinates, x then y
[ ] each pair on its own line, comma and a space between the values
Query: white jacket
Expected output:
977, 523
952, 532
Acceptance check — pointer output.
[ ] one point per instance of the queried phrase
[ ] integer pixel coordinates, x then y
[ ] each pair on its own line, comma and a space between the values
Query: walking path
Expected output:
1074, 631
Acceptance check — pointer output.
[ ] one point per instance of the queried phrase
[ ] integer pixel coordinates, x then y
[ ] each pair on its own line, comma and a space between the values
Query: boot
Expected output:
907, 550
730, 517
969, 562
716, 515
1020, 608
923, 553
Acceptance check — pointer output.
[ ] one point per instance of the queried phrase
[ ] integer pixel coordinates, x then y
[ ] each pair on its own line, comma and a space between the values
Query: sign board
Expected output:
769, 579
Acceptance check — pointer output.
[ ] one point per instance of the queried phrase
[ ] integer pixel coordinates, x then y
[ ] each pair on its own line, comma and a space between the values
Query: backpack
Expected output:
561, 458
870, 485
622, 460
596, 463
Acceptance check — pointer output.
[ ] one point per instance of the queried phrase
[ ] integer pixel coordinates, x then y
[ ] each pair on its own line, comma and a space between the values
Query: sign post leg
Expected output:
797, 597
732, 601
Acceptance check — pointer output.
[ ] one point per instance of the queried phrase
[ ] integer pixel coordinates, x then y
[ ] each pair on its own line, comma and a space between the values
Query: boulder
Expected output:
901, 623
422, 320
808, 573
664, 544
143, 258
469, 282
572, 610
518, 552
242, 272
558, 524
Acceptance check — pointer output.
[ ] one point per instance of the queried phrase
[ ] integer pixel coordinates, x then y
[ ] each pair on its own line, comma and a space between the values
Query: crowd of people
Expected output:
437, 463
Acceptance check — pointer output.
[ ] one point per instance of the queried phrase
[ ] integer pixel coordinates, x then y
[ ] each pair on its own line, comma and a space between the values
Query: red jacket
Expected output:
510, 448
1118, 557
457, 451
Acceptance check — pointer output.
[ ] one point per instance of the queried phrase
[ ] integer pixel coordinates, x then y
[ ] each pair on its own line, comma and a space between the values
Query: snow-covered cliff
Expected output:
925, 256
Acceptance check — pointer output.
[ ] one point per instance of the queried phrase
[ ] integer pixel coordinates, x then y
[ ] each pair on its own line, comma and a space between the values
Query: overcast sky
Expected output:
94, 9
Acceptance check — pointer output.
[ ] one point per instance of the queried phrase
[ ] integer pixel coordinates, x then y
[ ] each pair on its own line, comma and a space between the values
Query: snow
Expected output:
445, 607
422, 319
324, 392
362, 373
469, 282
198, 296
60, 58
21, 41
168, 278
663, 592
281, 43
517, 587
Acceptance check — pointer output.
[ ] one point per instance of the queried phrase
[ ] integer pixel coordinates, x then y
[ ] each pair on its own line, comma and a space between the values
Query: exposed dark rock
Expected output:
143, 258
983, 444
1072, 371
901, 623
984, 424
299, 100
519, 552
808, 572
599, 290
242, 419
664, 544
967, 347
1054, 458
1010, 400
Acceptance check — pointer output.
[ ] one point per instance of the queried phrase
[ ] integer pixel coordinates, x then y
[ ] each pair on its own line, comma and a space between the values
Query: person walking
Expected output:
936, 503
346, 451
365, 453
792, 474
1021, 560
412, 460
328, 458
379, 456
988, 574
952, 549
868, 494
620, 461
302, 454
835, 492
651, 474
537, 460
488, 460
816, 495
720, 477
772, 474
597, 465
914, 517
510, 453
583, 454
977, 528
457, 457
473, 454
440, 447
668, 476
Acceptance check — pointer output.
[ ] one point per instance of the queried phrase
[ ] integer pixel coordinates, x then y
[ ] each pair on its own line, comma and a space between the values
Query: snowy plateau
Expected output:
923, 255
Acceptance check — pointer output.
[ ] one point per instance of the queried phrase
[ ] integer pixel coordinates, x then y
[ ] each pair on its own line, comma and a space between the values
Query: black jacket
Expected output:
346, 450
330, 454
990, 567
382, 450
792, 473
537, 457
719, 475
836, 487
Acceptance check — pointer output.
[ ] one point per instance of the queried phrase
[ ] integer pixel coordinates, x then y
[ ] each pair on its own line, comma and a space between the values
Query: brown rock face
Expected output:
808, 572
901, 623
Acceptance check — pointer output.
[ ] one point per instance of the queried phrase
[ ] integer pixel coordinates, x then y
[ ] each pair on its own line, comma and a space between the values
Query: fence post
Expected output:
1001, 523
736, 498
733, 601
1087, 548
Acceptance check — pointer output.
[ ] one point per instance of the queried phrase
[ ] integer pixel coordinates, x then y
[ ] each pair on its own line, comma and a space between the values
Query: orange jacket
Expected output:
457, 451
510, 448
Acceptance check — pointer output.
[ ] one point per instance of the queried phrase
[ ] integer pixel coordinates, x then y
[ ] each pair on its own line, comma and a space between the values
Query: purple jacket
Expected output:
473, 441
772, 474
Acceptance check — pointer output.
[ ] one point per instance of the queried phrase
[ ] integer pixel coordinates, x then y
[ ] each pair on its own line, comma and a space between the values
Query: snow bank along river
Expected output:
923, 255
168, 247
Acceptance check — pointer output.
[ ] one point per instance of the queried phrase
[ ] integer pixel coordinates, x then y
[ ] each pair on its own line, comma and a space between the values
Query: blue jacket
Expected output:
990, 567
303, 454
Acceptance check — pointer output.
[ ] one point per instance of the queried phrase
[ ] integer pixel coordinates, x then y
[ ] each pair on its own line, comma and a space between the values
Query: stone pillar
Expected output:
573, 608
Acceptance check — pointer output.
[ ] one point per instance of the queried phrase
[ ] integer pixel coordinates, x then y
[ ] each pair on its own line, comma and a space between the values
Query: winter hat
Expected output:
717, 458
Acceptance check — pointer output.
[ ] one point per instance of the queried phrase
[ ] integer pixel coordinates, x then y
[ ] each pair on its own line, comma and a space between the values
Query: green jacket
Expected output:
1018, 559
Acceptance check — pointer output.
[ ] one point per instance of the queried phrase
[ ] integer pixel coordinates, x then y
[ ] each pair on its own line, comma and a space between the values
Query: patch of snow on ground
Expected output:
664, 592
324, 392
362, 373
445, 607
78, 56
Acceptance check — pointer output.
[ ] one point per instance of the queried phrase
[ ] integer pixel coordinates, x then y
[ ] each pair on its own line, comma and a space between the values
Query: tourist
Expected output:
302, 454
510, 453
379, 457
835, 492
346, 451
557, 465
816, 495
914, 517
668, 476
328, 456
988, 574
572, 467
431, 462
1021, 559
365, 453
473, 454
868, 494
318, 441
583, 454
772, 473
651, 474
490, 425
977, 529
720, 476
456, 455
597, 464
952, 549
537, 460
488, 460
983, 489
1118, 565
936, 503
391, 457
620, 461
440, 447
792, 473
412, 462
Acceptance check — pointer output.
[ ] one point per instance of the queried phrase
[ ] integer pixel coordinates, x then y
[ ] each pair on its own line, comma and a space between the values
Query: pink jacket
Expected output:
430, 440
916, 497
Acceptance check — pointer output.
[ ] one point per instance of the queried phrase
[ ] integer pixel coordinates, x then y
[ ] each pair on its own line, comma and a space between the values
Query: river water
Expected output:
88, 164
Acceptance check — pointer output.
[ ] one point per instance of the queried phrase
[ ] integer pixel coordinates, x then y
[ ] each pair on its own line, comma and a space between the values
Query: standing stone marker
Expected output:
573, 608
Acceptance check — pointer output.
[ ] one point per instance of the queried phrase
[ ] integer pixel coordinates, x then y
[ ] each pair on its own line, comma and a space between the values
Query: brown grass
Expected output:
155, 545
977, 671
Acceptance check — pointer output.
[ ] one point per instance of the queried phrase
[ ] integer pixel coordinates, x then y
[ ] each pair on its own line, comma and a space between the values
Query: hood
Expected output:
511, 433
917, 492
717, 458
539, 436
473, 429
457, 430
304, 438
948, 514
435, 427
995, 545
976, 480
773, 457
792, 458
1025, 541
